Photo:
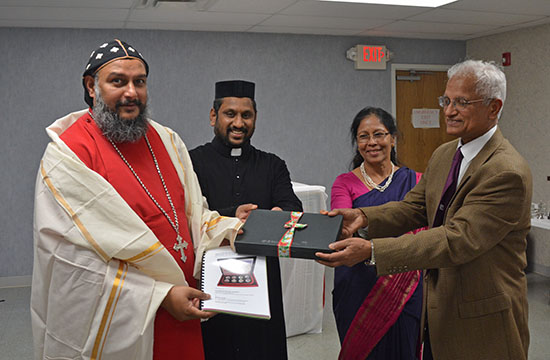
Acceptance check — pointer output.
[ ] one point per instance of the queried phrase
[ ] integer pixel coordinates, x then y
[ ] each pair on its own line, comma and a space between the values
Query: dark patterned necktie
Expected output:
449, 189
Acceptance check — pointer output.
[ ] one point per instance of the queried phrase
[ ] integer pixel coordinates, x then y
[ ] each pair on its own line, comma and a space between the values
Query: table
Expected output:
538, 247
302, 280
541, 223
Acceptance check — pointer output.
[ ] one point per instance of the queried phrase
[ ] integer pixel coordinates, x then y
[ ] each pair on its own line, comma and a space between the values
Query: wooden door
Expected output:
419, 90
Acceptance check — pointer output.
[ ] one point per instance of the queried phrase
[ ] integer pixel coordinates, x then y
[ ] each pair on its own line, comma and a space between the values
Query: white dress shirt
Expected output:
471, 149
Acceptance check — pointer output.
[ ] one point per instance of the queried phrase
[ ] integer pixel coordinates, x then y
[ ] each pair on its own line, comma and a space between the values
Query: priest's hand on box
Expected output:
182, 302
347, 252
354, 219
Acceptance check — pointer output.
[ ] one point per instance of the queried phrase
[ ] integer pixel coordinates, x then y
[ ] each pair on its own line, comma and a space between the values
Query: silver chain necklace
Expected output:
371, 183
179, 245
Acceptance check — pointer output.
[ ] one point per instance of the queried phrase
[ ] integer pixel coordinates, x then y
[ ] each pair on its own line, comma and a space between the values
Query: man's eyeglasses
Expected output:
377, 136
458, 103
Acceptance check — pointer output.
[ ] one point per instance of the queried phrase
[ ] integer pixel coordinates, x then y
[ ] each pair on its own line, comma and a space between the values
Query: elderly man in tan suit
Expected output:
474, 251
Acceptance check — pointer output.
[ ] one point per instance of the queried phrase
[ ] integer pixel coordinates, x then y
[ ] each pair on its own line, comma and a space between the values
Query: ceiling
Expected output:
461, 20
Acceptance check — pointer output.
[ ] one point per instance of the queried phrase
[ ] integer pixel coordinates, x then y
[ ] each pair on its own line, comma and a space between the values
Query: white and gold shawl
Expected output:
100, 273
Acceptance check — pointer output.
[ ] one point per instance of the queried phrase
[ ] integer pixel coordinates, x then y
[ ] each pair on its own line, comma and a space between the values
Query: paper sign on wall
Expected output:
425, 118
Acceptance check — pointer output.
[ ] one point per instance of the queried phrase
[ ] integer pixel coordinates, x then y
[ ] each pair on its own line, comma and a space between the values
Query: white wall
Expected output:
524, 119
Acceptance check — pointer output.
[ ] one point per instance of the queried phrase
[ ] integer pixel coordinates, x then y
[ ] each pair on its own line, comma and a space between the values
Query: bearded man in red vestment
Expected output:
119, 222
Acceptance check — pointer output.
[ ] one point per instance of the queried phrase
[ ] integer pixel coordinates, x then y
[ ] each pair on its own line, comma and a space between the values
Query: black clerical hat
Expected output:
234, 88
105, 54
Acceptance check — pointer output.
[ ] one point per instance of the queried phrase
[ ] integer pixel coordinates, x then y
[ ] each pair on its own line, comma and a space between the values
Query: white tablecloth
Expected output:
541, 223
303, 280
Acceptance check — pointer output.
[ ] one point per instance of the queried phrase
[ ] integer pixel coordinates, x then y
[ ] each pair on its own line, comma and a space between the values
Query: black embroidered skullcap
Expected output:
105, 54
234, 88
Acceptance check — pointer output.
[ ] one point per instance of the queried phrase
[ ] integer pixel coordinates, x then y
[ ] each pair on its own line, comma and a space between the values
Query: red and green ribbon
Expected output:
286, 241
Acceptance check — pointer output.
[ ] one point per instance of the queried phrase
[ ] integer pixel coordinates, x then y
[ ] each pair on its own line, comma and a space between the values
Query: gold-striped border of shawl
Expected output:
152, 250
176, 151
210, 224
116, 303
109, 312
73, 215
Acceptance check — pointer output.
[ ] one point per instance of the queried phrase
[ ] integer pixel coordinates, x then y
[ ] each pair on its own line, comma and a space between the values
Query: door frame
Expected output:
397, 67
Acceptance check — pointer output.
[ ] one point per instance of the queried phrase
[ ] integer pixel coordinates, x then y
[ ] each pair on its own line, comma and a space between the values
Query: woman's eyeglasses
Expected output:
377, 136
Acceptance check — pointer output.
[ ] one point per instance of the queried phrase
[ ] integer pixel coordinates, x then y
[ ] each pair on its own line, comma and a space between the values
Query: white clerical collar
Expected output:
236, 151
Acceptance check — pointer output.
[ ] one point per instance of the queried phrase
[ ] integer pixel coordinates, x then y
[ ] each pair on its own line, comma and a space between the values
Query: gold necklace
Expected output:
371, 183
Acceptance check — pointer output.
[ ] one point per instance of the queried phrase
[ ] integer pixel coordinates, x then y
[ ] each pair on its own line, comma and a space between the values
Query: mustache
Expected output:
136, 102
243, 129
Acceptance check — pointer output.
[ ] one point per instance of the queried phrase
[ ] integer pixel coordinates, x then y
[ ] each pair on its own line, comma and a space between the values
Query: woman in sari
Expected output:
376, 317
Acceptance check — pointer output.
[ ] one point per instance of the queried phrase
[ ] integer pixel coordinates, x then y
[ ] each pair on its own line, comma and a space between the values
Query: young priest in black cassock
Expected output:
232, 172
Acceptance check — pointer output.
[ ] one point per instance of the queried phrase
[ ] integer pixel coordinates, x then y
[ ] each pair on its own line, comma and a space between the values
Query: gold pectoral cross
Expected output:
181, 246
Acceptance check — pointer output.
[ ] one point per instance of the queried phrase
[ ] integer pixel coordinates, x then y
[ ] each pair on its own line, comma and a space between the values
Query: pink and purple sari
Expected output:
377, 317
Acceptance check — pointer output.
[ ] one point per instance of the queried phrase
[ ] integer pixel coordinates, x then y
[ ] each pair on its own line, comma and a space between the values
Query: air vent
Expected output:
199, 5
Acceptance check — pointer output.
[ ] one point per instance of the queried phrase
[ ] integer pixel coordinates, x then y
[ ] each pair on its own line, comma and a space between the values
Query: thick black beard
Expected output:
224, 137
116, 129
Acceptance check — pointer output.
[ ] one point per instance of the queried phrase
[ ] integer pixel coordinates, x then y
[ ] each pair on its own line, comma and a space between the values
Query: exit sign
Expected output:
371, 57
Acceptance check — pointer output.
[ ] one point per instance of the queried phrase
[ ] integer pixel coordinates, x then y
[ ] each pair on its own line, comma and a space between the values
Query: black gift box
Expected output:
264, 229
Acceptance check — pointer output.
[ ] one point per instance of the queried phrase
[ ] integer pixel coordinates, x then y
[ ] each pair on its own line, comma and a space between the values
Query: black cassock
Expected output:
228, 181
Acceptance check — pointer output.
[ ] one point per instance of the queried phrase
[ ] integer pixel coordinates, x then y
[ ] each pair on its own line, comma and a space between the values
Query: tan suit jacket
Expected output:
477, 298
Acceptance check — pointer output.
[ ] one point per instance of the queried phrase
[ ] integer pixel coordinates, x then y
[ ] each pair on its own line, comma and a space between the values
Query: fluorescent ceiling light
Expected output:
423, 3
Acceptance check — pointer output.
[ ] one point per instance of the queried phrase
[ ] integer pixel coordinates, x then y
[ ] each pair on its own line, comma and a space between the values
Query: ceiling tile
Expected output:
412, 35
504, 29
186, 26
184, 14
473, 17
302, 30
324, 22
320, 8
459, 20
485, 33
113, 4
251, 6
525, 7
532, 23
434, 28
80, 24
71, 14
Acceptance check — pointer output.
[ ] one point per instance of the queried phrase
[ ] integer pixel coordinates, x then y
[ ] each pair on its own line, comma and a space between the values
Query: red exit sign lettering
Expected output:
371, 57
373, 53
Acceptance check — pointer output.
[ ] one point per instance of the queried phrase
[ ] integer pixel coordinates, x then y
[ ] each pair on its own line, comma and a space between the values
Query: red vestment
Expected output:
173, 339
